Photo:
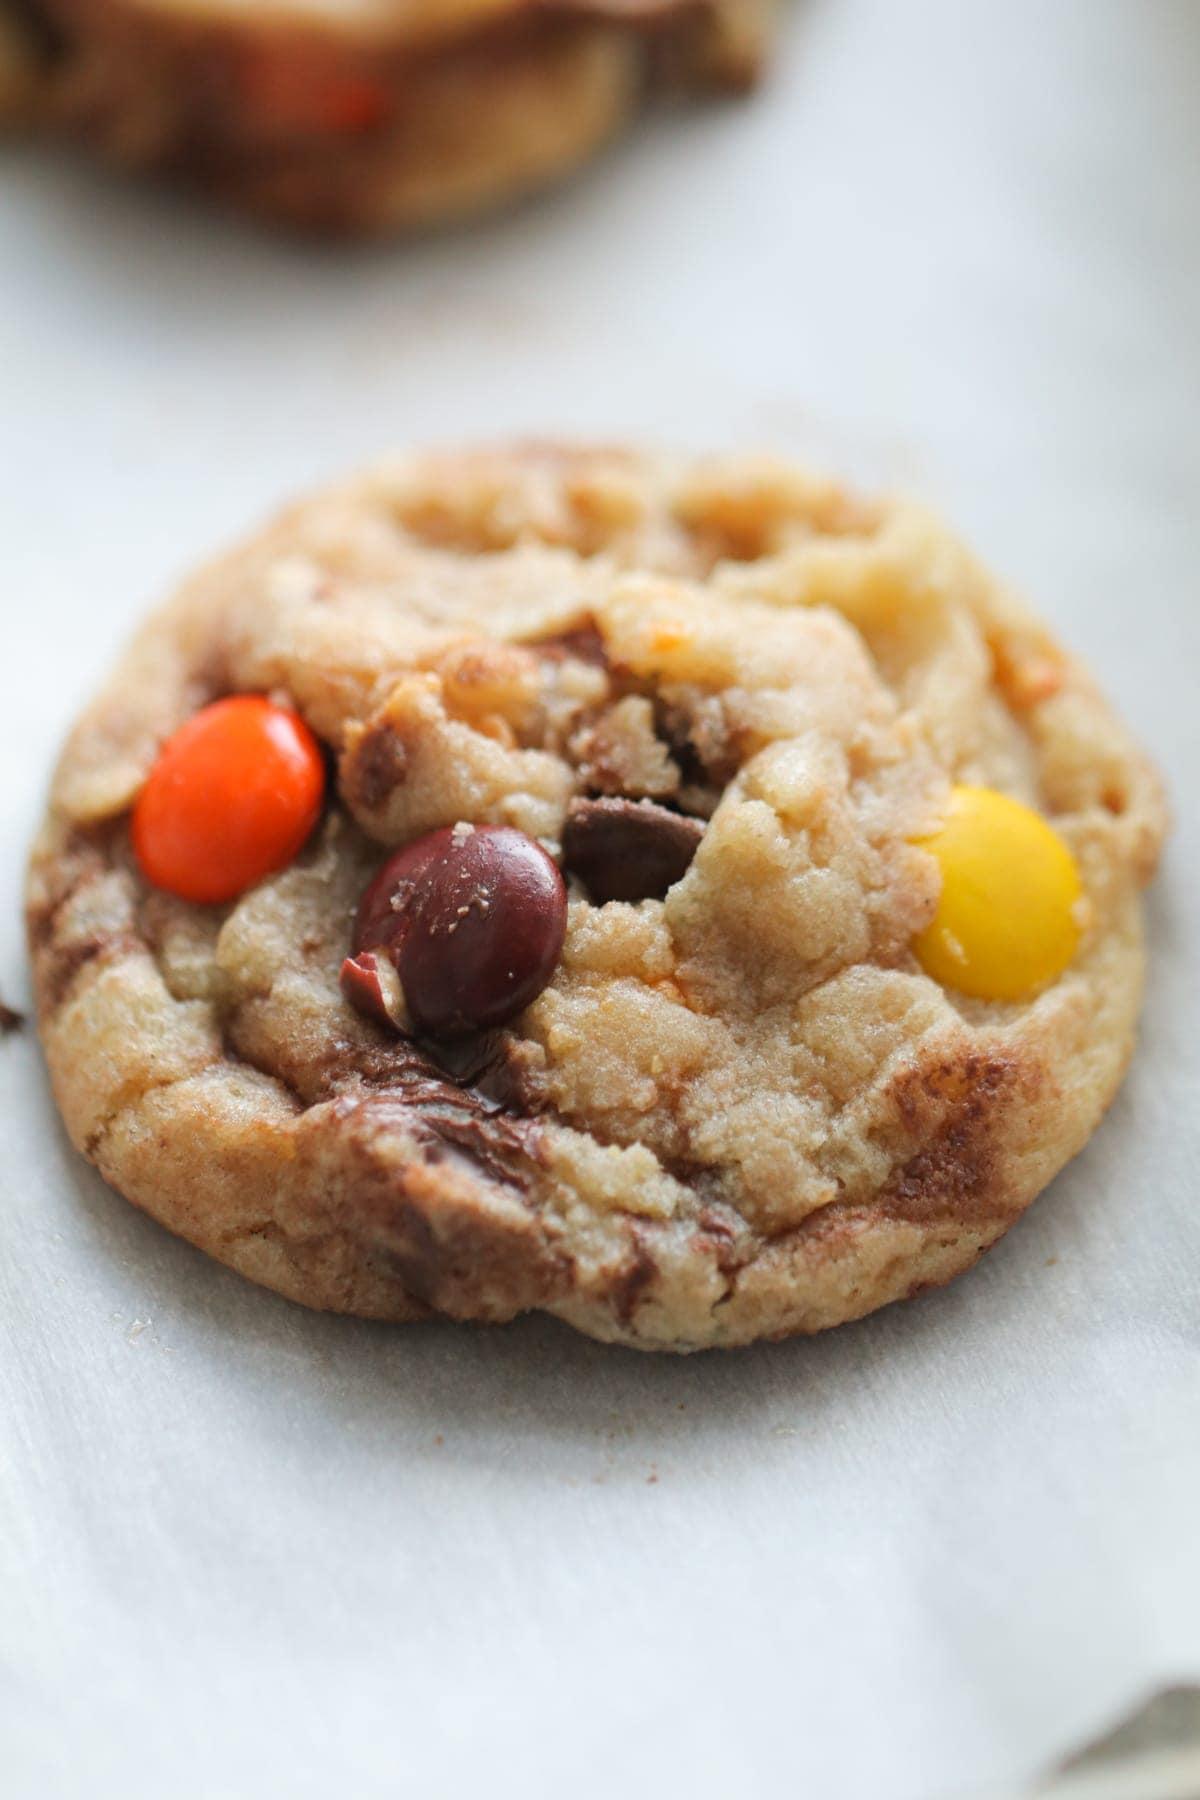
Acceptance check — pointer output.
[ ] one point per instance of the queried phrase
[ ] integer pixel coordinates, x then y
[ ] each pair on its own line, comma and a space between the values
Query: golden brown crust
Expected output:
738, 1111
370, 117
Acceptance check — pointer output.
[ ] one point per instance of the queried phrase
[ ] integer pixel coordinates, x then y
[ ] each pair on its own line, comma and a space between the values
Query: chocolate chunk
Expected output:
379, 766
628, 849
582, 642
471, 918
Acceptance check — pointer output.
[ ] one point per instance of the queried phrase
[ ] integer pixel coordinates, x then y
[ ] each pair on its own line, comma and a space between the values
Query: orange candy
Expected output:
312, 92
233, 796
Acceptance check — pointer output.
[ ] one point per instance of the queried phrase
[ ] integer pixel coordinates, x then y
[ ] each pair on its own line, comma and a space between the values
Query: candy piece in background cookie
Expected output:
370, 117
713, 913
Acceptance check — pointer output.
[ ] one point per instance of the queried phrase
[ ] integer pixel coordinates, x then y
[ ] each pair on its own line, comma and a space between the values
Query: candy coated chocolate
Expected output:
472, 917
628, 849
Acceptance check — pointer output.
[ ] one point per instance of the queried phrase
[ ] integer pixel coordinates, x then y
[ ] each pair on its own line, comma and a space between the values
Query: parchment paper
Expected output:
245, 1551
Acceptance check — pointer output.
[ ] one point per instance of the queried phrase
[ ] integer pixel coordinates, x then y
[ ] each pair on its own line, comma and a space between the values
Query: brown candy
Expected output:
628, 849
372, 986
471, 919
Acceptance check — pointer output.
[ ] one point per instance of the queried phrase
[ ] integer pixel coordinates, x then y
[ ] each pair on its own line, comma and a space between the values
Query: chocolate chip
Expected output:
380, 764
472, 919
628, 849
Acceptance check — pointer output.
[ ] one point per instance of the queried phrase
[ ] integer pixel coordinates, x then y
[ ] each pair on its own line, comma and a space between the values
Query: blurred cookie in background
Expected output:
363, 116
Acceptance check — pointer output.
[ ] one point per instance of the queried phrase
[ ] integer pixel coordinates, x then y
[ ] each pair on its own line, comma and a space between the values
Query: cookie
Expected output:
370, 116
678, 895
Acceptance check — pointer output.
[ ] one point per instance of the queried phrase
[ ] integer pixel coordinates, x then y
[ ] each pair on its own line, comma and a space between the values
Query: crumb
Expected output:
650, 1480
10, 1019
439, 1440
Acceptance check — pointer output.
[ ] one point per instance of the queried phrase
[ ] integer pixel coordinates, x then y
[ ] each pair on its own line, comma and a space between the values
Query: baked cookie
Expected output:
680, 896
369, 115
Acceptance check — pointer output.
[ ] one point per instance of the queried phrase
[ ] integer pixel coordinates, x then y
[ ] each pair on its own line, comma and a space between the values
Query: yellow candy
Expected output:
1008, 920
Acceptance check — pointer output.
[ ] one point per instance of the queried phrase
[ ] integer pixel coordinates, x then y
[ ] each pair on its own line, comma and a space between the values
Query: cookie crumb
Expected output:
10, 1020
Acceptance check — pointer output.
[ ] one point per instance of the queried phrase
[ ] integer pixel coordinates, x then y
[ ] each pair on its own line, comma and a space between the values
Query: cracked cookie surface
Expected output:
737, 696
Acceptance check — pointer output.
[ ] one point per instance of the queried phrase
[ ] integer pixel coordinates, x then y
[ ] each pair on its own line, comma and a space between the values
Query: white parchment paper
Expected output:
245, 1551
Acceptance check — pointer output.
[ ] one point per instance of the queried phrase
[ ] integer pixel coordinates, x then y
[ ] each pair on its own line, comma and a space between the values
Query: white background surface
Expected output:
245, 1551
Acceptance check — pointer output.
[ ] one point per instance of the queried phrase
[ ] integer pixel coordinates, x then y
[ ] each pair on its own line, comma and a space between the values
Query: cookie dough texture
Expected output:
739, 1111
363, 115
